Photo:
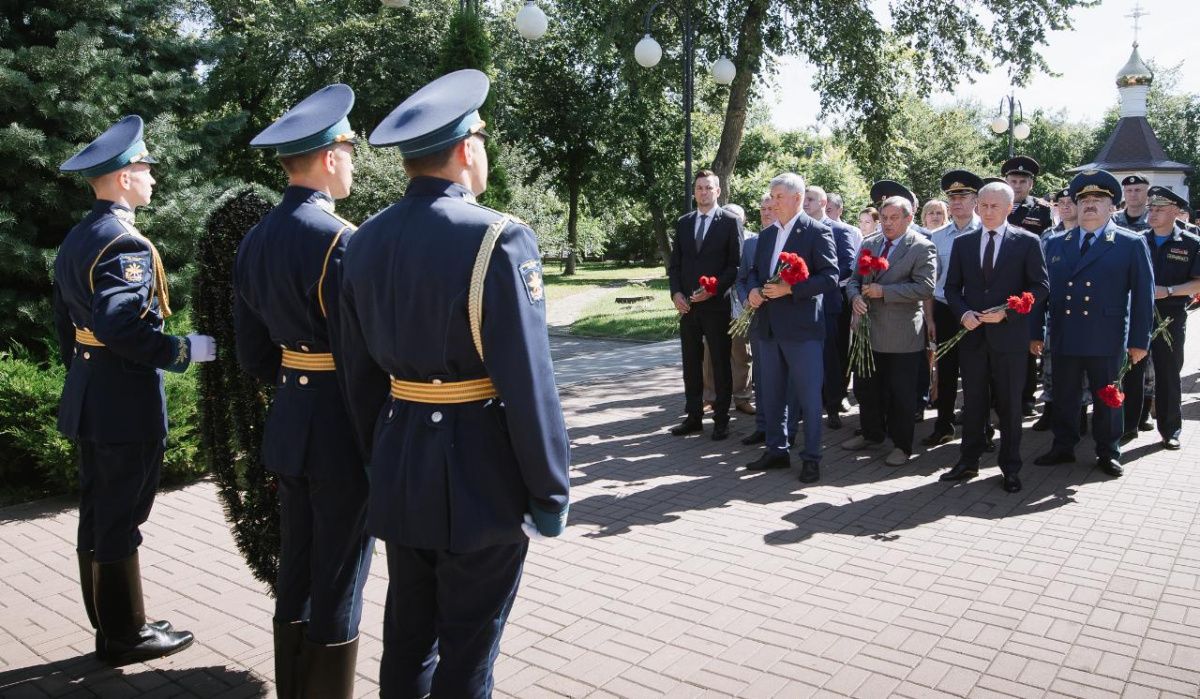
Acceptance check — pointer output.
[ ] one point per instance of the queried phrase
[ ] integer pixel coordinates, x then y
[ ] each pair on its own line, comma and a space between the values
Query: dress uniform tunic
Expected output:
1176, 260
1100, 304
1033, 215
286, 283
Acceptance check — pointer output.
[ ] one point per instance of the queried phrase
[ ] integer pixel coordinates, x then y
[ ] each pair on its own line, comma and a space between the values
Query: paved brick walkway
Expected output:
683, 576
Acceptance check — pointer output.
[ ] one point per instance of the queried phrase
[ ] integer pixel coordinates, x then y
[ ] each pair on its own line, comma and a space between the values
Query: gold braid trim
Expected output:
160, 285
475, 293
325, 269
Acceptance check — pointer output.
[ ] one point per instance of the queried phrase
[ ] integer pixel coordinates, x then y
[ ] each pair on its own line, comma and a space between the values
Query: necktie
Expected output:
989, 253
700, 232
887, 248
1087, 243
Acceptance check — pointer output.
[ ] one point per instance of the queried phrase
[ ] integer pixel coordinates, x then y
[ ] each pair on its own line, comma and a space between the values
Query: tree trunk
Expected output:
572, 224
747, 61
658, 219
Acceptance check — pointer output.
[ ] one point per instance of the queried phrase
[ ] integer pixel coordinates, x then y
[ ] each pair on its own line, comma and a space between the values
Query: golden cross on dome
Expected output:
1137, 15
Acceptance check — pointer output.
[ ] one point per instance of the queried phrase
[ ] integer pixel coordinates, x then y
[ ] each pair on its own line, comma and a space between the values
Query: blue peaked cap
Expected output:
112, 150
318, 121
1100, 182
437, 116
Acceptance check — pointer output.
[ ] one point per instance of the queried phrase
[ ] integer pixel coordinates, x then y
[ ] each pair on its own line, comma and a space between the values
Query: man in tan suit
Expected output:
893, 301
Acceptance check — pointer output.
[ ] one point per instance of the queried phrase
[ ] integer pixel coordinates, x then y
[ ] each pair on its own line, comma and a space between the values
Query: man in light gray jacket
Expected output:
892, 300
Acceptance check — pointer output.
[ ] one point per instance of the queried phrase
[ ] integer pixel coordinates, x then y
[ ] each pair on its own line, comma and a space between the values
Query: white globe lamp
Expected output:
723, 71
647, 52
531, 21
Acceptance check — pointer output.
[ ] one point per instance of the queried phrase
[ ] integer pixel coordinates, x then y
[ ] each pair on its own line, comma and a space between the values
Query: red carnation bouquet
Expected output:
862, 359
709, 284
792, 270
1112, 395
1022, 305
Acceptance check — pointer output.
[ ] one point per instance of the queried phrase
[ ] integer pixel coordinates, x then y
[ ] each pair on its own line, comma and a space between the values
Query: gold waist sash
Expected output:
308, 361
437, 393
85, 337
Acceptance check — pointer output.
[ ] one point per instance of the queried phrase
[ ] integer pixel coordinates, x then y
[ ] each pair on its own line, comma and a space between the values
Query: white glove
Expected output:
531, 529
203, 347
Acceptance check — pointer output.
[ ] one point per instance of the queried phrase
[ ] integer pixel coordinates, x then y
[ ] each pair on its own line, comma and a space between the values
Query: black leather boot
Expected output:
328, 671
88, 589
122, 617
289, 644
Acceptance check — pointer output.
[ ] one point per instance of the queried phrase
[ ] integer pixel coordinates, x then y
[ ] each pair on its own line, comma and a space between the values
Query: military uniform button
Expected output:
436, 382
303, 380
1089, 283
436, 417
304, 348
1068, 297
87, 355
1087, 298
391, 412
1070, 283
285, 378
1085, 312
1068, 311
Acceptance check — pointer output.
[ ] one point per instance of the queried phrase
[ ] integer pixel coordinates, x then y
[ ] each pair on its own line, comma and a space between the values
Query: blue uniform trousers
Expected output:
795, 365
325, 555
117, 482
1069, 373
444, 617
1167, 361
792, 409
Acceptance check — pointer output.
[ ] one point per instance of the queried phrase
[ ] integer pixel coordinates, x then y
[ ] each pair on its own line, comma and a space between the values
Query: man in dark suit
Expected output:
707, 244
790, 324
987, 266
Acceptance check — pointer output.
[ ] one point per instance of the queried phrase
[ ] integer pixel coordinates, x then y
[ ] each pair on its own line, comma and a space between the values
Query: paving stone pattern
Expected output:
682, 575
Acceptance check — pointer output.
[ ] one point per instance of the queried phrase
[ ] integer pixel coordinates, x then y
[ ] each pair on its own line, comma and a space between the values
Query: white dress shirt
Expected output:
983, 241
943, 240
784, 231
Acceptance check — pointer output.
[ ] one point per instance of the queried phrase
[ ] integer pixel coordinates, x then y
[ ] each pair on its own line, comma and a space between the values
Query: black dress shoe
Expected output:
720, 431
770, 460
1011, 484
1046, 421
1027, 409
1171, 443
1110, 467
961, 472
1053, 458
1128, 437
688, 426
938, 437
755, 437
810, 472
834, 422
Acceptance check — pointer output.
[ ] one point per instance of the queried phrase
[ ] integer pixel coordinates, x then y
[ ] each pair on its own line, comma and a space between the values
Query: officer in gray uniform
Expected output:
443, 348
110, 301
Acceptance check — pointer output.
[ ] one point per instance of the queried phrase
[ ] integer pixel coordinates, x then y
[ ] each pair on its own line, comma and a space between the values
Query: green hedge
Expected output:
35, 459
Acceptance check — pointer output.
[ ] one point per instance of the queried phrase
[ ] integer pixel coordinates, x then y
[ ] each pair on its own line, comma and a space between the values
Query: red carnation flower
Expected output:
879, 264
1111, 396
1022, 304
709, 284
795, 271
866, 263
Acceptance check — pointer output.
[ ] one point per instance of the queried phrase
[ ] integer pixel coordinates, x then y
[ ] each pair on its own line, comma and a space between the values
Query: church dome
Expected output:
1135, 72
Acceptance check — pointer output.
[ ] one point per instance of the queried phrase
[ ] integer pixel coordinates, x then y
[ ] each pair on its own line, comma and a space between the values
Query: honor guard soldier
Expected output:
1028, 212
1101, 307
286, 284
110, 300
442, 343
1135, 216
1175, 254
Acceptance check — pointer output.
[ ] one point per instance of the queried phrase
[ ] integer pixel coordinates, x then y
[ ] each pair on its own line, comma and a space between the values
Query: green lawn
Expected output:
591, 275
655, 319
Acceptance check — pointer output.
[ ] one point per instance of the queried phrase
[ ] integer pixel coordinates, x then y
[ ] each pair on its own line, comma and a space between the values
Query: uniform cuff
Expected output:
183, 355
548, 523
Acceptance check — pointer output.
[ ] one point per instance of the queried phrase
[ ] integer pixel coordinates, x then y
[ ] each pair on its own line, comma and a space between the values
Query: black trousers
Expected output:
945, 326
833, 384
695, 328
117, 483
843, 344
1168, 391
1069, 371
888, 398
444, 617
992, 379
325, 555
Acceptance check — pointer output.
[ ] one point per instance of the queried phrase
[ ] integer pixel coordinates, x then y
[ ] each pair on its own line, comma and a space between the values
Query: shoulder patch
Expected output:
135, 267
531, 274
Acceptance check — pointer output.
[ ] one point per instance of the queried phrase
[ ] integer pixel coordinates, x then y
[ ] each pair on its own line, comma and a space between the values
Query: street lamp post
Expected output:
648, 53
1013, 124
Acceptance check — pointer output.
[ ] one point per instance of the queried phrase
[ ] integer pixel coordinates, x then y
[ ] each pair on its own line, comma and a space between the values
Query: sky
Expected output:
1087, 59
